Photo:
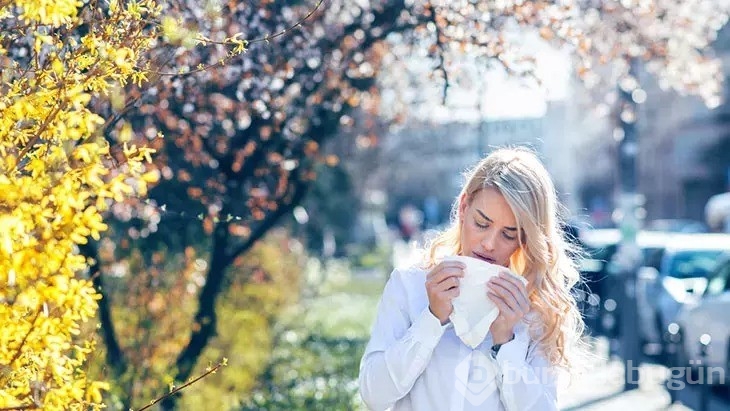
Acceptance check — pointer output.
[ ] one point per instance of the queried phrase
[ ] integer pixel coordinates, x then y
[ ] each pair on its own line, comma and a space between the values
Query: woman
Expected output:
506, 214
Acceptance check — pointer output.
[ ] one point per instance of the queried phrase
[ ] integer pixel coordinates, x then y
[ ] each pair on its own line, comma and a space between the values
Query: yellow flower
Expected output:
52, 198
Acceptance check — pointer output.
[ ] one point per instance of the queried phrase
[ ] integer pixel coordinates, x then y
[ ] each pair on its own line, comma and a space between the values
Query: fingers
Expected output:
452, 293
504, 309
517, 303
512, 314
442, 286
512, 277
447, 284
446, 266
512, 292
512, 284
450, 281
445, 270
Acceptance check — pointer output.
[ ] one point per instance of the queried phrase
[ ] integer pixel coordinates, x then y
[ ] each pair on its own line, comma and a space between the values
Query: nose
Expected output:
489, 241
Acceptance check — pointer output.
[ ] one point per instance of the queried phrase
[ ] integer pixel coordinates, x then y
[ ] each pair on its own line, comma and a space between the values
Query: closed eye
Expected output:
509, 237
480, 225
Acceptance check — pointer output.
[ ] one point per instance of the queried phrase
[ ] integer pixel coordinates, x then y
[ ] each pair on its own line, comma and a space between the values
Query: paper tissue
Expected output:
474, 312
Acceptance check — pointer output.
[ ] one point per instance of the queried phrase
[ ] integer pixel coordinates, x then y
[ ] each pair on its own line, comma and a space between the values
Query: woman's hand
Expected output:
442, 286
510, 296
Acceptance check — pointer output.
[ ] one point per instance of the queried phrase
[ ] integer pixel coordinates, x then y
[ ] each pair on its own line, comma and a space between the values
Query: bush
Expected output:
318, 346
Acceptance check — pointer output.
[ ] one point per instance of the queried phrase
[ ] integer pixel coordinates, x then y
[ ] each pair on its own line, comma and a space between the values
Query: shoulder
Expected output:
409, 275
406, 283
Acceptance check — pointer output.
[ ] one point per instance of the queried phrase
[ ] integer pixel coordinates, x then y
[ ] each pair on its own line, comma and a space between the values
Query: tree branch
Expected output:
211, 370
299, 191
442, 60
41, 130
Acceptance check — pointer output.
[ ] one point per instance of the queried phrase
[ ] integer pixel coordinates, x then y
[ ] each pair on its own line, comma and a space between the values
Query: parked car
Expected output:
681, 278
599, 245
604, 285
708, 316
653, 246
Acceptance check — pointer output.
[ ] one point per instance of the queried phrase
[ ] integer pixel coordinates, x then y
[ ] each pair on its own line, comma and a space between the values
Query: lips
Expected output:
485, 258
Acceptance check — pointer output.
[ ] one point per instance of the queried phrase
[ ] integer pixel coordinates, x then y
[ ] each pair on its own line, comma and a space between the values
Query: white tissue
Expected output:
474, 312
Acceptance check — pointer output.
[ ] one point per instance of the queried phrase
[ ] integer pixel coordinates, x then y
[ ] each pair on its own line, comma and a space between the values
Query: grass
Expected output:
320, 342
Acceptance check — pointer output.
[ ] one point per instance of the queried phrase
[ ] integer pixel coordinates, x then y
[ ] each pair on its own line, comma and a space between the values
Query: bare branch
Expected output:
211, 370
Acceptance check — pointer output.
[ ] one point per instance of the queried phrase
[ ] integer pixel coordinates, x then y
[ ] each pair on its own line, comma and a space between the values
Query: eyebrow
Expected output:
492, 221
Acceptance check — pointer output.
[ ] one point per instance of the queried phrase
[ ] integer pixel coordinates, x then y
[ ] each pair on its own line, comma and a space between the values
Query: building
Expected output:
674, 134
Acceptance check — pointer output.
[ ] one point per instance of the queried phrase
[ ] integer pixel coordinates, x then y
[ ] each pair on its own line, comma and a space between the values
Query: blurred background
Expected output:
294, 178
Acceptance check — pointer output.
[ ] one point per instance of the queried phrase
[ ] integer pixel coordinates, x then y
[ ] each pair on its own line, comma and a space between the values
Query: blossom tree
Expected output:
672, 39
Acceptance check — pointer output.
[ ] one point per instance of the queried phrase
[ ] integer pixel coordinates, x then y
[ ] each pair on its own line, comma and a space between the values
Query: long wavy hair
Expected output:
543, 256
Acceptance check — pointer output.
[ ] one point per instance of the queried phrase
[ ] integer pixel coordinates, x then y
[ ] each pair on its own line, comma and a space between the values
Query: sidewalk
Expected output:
602, 389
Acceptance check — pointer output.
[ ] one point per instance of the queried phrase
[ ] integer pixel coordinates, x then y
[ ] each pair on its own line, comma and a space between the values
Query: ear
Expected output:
463, 203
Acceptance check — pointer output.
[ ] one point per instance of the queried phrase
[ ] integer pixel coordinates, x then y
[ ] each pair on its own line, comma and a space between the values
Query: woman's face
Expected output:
488, 227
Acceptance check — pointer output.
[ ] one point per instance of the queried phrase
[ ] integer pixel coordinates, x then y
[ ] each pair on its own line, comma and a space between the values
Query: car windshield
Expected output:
718, 283
696, 263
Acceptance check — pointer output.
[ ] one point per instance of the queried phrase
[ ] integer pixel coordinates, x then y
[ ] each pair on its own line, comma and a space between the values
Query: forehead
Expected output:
490, 202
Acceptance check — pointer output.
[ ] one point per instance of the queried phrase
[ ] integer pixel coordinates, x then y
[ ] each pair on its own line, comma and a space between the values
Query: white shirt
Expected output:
412, 362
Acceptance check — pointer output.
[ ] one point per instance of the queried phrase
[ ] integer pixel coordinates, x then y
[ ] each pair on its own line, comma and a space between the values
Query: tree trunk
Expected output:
205, 319
115, 357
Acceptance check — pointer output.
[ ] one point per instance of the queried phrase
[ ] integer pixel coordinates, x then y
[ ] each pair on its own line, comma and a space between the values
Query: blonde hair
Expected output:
543, 256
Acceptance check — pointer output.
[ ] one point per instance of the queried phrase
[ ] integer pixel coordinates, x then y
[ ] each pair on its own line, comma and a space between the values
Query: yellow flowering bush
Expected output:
57, 177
